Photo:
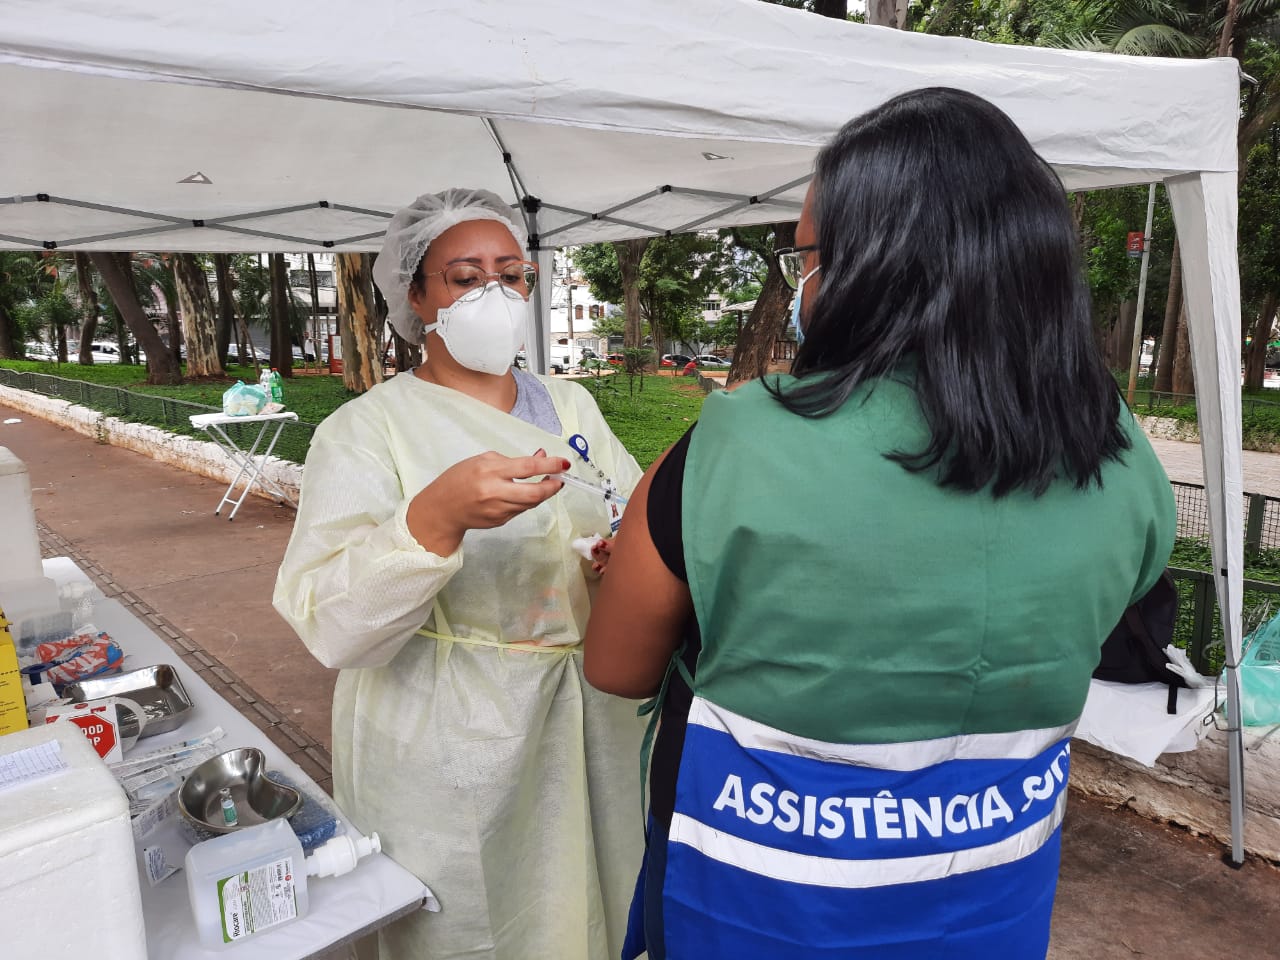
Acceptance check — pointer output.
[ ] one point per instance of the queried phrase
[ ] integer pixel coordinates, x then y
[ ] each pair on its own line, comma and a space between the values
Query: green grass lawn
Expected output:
647, 416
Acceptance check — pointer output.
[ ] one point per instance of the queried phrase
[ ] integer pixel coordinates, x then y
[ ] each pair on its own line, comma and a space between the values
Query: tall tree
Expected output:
22, 279
314, 285
672, 276
358, 322
159, 273
116, 270
629, 253
226, 308
281, 302
199, 324
89, 308
1169, 331
769, 317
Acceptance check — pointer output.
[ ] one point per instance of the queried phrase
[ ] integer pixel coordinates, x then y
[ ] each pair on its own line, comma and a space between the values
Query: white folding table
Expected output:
272, 424
343, 909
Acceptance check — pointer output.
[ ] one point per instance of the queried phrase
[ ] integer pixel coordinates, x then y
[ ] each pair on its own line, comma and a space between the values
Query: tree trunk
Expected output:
769, 317
122, 338
88, 308
380, 329
357, 323
60, 337
1172, 307
199, 324
175, 323
8, 342
226, 307
1184, 380
408, 355
1227, 38
1255, 370
630, 253
281, 342
315, 308
650, 310
116, 270
1077, 211
1120, 341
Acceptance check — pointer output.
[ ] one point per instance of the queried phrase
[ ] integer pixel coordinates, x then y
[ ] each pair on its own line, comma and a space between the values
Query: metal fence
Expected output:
159, 411
1199, 630
1261, 516
1154, 401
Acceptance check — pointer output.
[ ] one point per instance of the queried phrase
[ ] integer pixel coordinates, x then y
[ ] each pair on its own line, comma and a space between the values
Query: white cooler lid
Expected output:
57, 804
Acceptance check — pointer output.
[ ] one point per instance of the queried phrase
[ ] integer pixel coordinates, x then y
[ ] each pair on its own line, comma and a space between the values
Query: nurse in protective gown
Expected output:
431, 562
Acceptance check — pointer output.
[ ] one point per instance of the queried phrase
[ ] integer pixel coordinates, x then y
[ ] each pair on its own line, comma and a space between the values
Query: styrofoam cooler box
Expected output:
24, 589
68, 875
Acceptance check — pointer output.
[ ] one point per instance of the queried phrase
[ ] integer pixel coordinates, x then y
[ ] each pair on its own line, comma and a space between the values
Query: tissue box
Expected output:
13, 705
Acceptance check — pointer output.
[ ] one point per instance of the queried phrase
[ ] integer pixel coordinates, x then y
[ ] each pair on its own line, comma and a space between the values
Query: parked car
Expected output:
616, 360
710, 360
675, 360
104, 352
35, 350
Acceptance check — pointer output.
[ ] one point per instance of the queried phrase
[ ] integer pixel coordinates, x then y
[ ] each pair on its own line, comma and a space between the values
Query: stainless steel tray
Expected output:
156, 689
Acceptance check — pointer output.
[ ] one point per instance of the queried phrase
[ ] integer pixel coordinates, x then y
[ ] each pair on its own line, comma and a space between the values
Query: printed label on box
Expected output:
13, 705
99, 723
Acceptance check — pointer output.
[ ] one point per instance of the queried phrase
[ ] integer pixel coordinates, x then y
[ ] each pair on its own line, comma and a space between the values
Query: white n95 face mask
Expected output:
484, 333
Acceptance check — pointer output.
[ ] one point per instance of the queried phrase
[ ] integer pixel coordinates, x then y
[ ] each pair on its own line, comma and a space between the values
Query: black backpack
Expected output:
1134, 651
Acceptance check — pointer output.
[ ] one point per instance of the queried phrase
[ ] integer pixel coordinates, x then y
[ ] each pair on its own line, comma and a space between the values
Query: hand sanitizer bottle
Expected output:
254, 880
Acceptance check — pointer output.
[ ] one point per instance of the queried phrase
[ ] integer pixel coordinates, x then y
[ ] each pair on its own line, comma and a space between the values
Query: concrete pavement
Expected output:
1182, 461
1129, 887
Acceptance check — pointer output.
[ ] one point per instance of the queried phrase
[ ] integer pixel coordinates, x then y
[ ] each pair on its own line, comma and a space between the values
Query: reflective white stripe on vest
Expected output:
860, 874
911, 755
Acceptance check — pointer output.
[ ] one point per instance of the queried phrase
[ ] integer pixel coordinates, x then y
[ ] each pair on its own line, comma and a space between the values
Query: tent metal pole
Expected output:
1235, 765
1135, 353
539, 325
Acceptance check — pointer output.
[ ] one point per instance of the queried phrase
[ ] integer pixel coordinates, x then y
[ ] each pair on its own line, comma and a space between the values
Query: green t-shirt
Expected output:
842, 598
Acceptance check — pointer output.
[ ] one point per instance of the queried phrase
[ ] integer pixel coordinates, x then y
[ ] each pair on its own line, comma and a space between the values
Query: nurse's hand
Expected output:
478, 494
600, 555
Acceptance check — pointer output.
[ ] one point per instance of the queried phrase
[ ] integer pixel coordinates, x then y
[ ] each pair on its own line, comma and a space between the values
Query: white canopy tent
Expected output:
249, 126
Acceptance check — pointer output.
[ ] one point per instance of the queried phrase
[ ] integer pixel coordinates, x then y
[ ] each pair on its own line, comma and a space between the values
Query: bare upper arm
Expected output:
640, 610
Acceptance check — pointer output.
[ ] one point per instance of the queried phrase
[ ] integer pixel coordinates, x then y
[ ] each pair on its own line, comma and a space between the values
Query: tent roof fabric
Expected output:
597, 106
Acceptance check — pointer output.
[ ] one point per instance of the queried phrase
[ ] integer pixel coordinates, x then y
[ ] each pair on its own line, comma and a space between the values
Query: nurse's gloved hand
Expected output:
478, 494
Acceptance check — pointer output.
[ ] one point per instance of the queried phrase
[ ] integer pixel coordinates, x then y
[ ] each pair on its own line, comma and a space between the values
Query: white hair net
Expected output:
410, 233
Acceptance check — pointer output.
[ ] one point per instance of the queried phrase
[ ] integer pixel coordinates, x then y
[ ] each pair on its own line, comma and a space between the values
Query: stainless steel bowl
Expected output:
257, 797
156, 689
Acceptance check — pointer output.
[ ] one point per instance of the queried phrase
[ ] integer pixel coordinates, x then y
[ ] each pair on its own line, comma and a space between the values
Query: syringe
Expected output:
589, 487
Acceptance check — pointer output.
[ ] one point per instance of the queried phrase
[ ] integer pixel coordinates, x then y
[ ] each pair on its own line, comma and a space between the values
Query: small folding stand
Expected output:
248, 460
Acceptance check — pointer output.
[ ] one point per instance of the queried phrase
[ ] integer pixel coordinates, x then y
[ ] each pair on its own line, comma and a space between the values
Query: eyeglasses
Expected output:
466, 281
791, 262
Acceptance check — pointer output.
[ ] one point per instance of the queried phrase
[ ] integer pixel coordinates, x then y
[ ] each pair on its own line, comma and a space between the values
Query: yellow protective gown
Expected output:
494, 773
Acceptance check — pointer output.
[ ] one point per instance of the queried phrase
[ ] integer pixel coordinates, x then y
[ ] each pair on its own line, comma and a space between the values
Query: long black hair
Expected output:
947, 245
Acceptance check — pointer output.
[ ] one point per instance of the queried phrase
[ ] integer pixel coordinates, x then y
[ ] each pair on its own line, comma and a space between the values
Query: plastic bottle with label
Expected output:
277, 387
254, 880
264, 382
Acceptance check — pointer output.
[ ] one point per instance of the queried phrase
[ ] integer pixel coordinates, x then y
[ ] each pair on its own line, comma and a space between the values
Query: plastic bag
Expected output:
242, 400
1260, 676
